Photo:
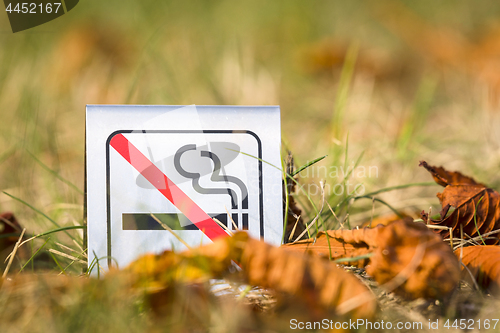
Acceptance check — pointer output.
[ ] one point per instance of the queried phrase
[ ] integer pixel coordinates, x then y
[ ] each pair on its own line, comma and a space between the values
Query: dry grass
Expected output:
403, 102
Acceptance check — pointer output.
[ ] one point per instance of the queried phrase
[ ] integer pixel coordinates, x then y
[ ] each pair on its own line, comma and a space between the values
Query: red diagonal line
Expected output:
173, 193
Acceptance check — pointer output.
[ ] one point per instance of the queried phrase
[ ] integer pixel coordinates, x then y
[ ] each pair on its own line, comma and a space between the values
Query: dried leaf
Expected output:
411, 260
444, 177
476, 207
319, 283
308, 278
483, 262
408, 259
9, 226
159, 271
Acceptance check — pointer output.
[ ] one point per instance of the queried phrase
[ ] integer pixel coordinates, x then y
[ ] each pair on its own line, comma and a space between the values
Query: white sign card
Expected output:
196, 170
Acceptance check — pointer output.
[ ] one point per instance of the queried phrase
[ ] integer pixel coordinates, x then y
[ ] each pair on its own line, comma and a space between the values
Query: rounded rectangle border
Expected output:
108, 185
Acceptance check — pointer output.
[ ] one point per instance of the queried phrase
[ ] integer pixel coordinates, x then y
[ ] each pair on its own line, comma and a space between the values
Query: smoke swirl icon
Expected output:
216, 177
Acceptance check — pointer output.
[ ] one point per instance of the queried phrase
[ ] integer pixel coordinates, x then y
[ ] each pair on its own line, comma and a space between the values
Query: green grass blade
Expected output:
98, 266
39, 212
347, 175
363, 256
397, 187
61, 229
57, 263
34, 255
55, 174
287, 200
32, 208
44, 215
346, 157
47, 232
358, 161
244, 293
73, 261
308, 165
290, 176
343, 89
7, 154
91, 265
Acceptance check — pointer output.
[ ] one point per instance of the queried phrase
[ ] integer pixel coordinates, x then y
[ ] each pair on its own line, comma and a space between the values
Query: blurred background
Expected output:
399, 81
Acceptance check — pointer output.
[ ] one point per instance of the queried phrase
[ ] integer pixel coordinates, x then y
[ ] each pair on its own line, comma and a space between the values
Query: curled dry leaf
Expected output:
198, 265
308, 278
444, 177
476, 207
483, 262
162, 276
408, 258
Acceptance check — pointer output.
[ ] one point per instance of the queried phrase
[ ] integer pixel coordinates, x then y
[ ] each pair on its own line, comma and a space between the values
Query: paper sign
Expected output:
200, 172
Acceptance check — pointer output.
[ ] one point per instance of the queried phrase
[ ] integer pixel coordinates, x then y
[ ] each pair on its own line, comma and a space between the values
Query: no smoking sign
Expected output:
198, 172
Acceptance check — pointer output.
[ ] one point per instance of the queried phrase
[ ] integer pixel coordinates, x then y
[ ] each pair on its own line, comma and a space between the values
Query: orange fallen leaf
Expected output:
408, 259
308, 278
321, 284
411, 260
444, 177
483, 262
477, 207
157, 271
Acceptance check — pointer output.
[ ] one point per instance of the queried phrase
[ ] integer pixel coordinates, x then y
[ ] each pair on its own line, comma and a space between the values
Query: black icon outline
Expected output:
108, 185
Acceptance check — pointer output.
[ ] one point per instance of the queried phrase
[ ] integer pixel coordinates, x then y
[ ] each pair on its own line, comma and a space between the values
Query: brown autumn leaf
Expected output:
444, 177
408, 258
483, 262
157, 271
10, 226
163, 276
476, 207
321, 284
